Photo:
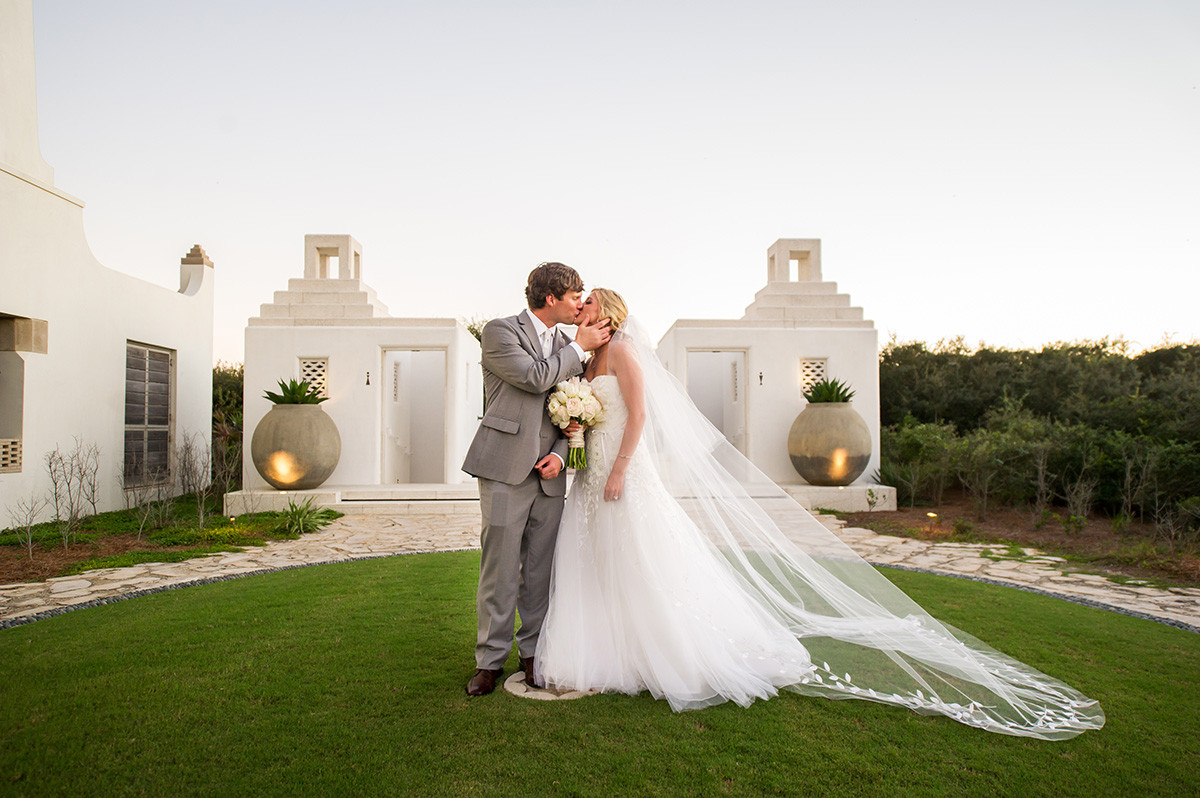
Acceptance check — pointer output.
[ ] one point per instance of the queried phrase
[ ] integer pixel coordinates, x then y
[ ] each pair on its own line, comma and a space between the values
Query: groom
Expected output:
518, 456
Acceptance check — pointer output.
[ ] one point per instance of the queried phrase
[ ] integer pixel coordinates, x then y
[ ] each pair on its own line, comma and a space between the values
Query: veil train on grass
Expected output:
866, 638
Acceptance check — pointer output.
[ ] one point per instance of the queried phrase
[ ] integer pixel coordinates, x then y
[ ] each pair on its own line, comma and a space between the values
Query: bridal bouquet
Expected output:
573, 400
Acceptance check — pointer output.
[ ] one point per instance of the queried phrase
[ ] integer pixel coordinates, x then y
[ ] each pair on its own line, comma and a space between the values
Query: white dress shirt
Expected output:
546, 336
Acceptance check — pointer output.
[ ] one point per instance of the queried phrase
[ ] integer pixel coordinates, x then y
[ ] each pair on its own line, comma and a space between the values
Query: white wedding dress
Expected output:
706, 583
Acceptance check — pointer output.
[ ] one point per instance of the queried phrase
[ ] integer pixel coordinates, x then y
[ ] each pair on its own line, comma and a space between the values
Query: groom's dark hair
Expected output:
550, 278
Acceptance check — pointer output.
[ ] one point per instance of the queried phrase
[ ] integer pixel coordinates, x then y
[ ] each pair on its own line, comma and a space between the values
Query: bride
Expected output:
682, 570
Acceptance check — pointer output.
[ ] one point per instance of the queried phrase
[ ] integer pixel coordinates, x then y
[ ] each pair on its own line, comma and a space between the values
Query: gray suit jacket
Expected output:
516, 431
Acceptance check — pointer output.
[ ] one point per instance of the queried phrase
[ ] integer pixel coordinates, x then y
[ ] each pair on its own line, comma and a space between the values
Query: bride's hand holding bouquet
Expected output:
573, 400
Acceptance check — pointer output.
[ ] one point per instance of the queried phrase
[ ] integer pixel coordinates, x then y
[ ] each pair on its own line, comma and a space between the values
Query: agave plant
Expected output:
295, 393
828, 391
302, 519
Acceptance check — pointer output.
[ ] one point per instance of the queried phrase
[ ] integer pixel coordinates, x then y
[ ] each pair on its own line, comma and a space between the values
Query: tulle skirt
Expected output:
640, 600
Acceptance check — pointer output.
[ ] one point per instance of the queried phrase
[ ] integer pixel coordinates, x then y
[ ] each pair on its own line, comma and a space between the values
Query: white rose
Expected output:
574, 407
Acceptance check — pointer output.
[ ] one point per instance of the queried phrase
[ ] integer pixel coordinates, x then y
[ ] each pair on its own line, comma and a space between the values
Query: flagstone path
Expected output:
360, 536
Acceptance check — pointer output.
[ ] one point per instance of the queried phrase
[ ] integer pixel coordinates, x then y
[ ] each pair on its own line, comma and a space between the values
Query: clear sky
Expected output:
1014, 172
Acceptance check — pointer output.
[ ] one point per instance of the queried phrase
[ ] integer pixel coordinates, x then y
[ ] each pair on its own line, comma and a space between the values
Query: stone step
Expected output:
315, 311
804, 313
374, 321
466, 491
309, 284
776, 287
801, 301
400, 499
768, 324
413, 507
323, 298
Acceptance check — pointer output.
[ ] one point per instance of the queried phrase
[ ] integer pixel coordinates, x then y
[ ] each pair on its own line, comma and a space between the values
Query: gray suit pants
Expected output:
520, 528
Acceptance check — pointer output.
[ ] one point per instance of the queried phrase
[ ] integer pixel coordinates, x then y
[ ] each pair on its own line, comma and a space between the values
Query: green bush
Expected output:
1080, 425
917, 460
301, 519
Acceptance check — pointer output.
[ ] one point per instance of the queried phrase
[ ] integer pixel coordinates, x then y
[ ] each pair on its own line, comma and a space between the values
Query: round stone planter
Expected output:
296, 447
829, 443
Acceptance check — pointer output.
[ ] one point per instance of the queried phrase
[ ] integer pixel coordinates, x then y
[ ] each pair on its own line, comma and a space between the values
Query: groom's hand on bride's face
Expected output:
593, 335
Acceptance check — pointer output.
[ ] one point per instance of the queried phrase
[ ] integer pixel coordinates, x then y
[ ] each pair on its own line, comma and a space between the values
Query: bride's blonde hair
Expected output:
612, 306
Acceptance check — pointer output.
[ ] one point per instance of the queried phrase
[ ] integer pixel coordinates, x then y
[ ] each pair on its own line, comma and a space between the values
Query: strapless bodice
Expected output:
606, 389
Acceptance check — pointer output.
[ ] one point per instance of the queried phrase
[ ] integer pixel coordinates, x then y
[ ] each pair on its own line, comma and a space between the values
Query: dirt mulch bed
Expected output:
1095, 547
16, 566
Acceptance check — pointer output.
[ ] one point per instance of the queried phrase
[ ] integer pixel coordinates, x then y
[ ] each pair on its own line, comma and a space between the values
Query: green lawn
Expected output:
348, 679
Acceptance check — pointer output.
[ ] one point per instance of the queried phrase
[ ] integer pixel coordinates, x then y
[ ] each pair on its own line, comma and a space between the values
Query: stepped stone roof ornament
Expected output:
331, 292
195, 256
803, 301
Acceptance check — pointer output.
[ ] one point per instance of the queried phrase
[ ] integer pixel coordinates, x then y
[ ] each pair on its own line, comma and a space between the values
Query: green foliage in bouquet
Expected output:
828, 391
577, 458
295, 393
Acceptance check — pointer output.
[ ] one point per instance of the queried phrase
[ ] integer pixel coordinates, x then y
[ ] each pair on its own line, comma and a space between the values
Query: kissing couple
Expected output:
675, 566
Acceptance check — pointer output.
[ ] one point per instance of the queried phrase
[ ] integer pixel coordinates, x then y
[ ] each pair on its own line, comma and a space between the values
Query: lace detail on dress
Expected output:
603, 443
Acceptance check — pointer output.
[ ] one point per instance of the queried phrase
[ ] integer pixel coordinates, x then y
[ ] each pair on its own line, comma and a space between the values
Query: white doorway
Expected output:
414, 416
716, 381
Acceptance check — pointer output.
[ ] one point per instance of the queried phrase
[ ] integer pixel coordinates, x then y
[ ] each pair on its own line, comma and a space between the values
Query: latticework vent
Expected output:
811, 372
10, 456
315, 371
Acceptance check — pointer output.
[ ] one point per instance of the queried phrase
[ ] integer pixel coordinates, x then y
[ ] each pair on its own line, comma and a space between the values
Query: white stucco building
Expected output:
748, 375
406, 394
85, 352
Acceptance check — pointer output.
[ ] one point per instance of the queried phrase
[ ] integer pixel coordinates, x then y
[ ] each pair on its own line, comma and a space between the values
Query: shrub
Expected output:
301, 519
980, 459
916, 459
1085, 424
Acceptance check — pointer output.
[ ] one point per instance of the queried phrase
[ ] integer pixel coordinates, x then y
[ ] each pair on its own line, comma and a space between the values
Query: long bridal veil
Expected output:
866, 638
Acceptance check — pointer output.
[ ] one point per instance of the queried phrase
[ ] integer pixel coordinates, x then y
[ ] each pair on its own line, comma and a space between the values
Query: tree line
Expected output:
1063, 431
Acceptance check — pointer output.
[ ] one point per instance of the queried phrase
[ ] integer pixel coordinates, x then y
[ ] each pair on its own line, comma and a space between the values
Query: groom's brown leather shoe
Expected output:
530, 678
484, 681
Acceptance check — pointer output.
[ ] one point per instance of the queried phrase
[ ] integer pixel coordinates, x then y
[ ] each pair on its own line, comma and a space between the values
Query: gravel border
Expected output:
10, 623
1100, 605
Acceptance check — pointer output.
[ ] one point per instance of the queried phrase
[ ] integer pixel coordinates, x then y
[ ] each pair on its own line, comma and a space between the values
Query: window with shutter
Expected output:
148, 413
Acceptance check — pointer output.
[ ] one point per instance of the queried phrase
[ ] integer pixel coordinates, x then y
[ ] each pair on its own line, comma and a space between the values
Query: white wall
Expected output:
273, 353
773, 404
48, 272
78, 387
